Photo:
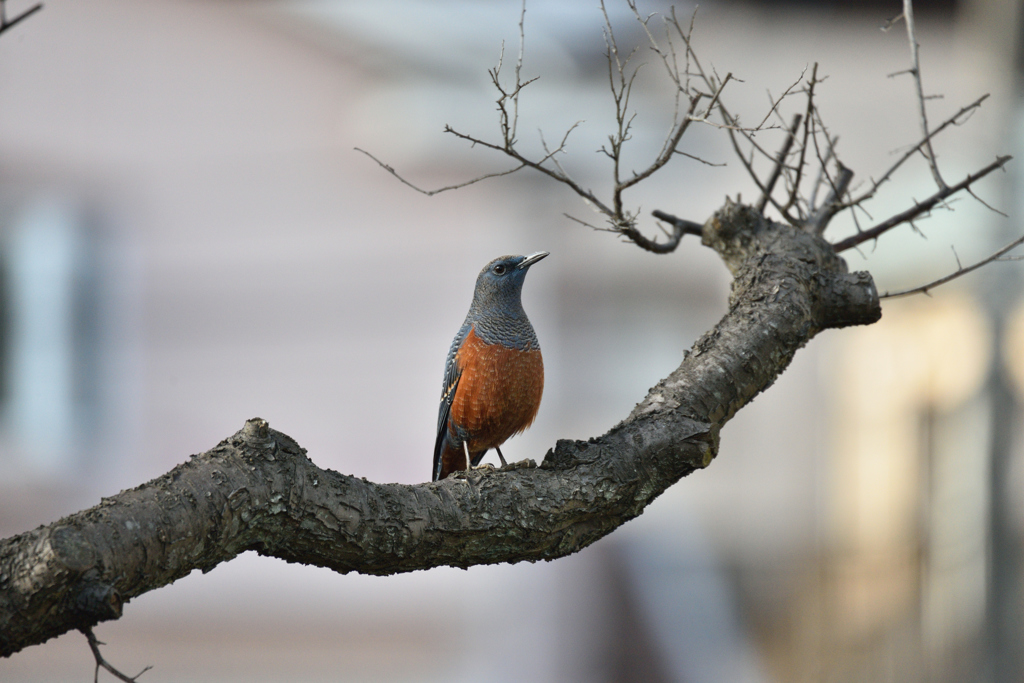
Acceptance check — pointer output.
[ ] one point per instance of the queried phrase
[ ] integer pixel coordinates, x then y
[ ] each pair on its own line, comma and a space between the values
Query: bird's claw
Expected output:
475, 470
488, 468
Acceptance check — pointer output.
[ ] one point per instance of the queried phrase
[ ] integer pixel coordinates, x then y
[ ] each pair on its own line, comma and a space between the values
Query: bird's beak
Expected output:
531, 259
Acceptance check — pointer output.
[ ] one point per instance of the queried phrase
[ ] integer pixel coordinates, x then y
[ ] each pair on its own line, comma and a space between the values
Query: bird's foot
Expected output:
475, 471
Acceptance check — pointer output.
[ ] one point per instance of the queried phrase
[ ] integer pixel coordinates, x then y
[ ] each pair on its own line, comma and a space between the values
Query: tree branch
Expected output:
919, 207
258, 491
964, 114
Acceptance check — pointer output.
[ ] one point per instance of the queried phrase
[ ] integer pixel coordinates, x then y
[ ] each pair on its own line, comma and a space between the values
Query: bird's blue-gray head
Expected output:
497, 309
499, 287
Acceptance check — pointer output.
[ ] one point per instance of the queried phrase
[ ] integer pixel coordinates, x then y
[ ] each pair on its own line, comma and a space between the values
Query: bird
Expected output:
494, 373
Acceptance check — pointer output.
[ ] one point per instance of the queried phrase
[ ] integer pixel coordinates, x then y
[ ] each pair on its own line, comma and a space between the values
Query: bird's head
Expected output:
500, 283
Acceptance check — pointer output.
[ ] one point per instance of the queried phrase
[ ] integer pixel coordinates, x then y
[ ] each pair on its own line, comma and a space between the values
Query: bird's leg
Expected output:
469, 461
501, 457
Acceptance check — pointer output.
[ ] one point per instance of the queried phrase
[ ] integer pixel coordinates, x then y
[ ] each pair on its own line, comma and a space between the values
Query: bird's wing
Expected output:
452, 373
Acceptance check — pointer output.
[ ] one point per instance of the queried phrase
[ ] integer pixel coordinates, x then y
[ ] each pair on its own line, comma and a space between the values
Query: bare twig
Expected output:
757, 180
919, 207
431, 193
953, 120
6, 23
779, 163
519, 69
621, 78
589, 225
960, 271
94, 645
824, 177
794, 193
666, 155
822, 166
697, 158
819, 220
553, 154
986, 204
588, 195
915, 70
688, 227
775, 103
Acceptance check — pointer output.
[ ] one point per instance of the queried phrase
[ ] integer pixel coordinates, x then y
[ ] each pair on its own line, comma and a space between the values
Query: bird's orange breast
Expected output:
499, 391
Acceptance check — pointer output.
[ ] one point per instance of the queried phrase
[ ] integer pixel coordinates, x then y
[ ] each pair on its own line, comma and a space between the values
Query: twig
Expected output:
819, 220
986, 204
688, 227
923, 289
822, 165
951, 121
94, 645
757, 181
779, 163
6, 24
703, 161
919, 207
553, 155
588, 195
823, 175
915, 70
670, 148
519, 69
775, 104
589, 225
431, 193
808, 126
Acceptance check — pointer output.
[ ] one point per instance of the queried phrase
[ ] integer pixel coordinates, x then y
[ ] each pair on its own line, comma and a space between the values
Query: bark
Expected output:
257, 490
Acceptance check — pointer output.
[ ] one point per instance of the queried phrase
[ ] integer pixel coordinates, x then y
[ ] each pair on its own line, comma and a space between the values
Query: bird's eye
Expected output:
499, 269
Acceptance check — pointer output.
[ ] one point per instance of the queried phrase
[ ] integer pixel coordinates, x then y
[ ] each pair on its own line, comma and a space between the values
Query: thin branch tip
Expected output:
999, 255
94, 645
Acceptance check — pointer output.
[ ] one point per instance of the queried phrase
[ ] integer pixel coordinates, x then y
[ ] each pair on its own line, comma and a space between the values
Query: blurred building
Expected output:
188, 239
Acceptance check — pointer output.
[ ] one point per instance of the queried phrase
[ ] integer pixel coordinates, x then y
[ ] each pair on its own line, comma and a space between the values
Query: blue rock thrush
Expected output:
494, 375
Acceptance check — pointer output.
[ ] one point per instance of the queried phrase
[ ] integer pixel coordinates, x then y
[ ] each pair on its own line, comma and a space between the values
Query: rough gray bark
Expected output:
257, 490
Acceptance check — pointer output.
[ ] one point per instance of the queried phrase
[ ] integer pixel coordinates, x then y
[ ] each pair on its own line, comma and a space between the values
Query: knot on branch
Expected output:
851, 300
256, 430
568, 454
257, 438
97, 601
772, 261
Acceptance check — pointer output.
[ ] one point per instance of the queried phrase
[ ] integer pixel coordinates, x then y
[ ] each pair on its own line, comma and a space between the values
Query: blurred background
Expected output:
188, 239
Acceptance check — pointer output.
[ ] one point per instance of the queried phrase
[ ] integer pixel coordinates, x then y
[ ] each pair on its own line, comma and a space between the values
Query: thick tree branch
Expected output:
258, 491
